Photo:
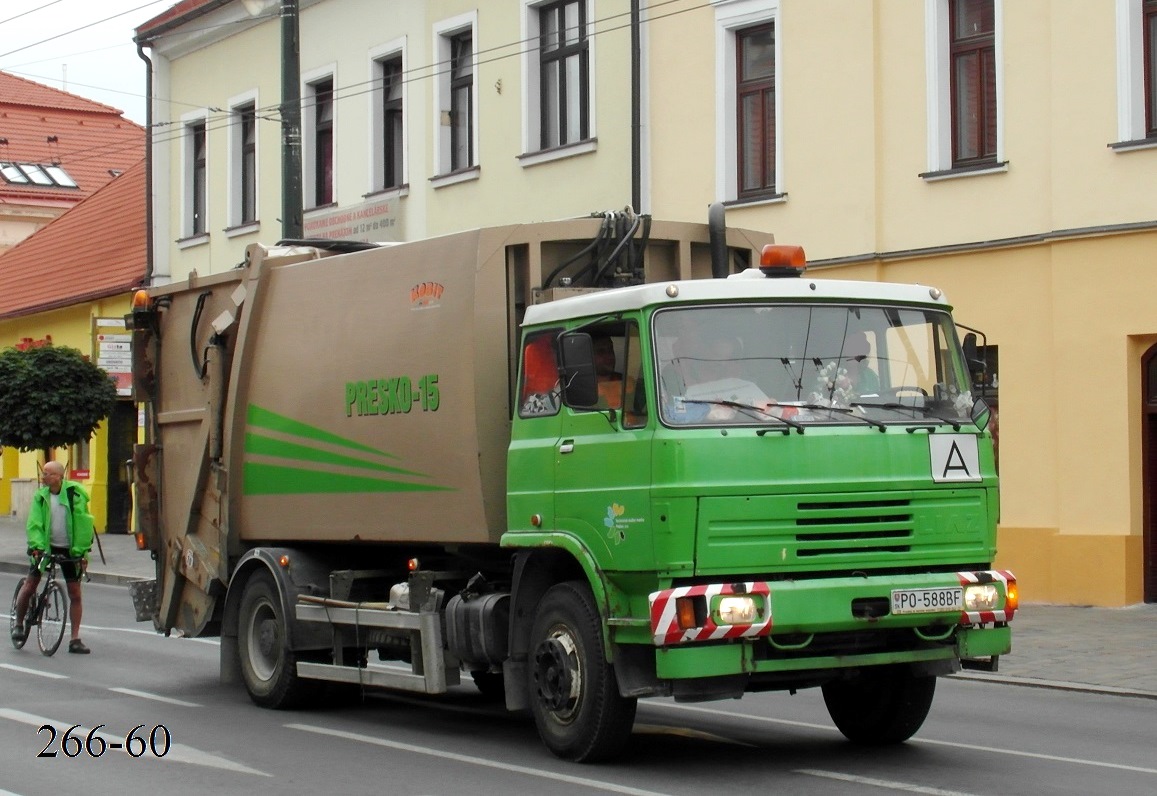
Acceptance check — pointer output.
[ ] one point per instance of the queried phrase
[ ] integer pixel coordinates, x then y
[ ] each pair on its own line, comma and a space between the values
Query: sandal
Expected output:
77, 646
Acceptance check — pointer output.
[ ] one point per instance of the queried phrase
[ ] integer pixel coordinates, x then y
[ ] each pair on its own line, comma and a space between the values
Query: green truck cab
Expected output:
783, 482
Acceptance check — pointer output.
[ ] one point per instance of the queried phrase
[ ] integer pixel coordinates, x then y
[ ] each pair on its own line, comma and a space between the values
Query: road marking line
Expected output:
157, 697
953, 744
212, 641
50, 675
880, 783
477, 761
178, 753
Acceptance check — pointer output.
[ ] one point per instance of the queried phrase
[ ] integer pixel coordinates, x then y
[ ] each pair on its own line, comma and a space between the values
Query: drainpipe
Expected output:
636, 110
148, 164
291, 200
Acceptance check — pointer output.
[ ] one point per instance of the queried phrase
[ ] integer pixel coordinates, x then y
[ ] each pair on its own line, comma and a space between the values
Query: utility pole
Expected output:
291, 201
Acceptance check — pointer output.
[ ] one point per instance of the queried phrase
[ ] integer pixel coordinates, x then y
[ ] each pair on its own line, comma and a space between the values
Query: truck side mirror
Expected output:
976, 364
576, 370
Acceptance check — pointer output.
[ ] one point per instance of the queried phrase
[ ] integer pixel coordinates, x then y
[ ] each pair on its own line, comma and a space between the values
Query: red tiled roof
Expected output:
96, 249
91, 139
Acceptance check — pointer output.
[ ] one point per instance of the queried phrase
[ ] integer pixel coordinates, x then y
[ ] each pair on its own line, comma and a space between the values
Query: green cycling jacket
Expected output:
79, 520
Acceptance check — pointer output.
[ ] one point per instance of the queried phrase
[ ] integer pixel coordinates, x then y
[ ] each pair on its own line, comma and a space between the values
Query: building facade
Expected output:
957, 143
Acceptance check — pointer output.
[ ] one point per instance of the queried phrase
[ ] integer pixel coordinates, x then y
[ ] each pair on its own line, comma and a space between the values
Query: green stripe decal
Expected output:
263, 418
268, 446
270, 479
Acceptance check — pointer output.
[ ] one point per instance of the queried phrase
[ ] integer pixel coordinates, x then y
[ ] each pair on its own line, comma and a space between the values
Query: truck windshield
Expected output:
789, 363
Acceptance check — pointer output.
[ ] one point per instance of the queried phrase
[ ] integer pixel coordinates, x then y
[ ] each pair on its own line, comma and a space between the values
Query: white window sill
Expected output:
558, 153
967, 171
192, 241
386, 194
1132, 146
455, 177
242, 229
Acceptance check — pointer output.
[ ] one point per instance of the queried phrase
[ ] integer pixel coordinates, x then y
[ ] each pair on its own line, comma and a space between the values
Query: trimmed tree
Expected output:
50, 397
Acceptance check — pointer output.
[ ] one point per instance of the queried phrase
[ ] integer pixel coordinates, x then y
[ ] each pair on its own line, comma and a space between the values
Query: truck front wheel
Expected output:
268, 666
881, 706
573, 693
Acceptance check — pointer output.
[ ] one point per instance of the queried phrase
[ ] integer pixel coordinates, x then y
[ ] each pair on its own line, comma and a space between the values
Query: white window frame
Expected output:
1131, 76
531, 90
731, 16
237, 225
444, 31
938, 77
387, 52
309, 81
189, 120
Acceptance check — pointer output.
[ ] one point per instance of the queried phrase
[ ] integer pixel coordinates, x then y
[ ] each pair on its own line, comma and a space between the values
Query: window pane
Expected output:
571, 34
751, 140
967, 106
573, 100
550, 105
1151, 70
973, 18
757, 55
460, 157
548, 29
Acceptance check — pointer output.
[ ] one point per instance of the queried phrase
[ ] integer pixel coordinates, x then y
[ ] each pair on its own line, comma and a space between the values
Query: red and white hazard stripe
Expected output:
983, 617
665, 621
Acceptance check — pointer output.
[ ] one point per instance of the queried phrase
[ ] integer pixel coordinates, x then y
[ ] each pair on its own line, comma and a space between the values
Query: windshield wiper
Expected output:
923, 410
844, 410
748, 408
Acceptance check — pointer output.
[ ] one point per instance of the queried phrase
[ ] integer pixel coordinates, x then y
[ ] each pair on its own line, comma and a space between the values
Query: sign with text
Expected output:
112, 346
369, 222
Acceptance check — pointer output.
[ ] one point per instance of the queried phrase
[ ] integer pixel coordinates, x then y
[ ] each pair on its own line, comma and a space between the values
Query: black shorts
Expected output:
69, 570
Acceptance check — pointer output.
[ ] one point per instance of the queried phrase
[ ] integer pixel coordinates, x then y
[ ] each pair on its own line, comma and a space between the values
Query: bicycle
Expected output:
48, 610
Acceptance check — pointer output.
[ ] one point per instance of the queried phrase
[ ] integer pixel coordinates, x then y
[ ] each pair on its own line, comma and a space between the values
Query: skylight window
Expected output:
51, 176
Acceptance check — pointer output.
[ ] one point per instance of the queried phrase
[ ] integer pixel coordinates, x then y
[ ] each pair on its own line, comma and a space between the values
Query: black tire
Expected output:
53, 617
12, 615
573, 693
268, 666
490, 685
881, 706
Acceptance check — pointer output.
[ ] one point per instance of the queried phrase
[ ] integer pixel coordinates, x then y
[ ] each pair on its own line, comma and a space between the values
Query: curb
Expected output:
1056, 685
106, 578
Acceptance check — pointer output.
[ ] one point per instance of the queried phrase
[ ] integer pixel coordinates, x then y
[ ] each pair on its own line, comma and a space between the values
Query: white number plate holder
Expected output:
927, 601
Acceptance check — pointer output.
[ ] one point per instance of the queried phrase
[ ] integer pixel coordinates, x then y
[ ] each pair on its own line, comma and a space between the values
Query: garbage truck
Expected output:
579, 462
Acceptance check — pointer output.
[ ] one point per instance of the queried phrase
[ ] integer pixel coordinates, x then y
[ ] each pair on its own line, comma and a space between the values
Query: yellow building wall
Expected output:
71, 327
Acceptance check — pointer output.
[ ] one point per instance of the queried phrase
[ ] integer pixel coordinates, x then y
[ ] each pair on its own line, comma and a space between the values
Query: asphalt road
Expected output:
981, 738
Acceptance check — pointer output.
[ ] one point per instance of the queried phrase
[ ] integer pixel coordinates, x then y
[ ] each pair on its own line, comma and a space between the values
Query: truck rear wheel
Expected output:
573, 694
268, 666
880, 707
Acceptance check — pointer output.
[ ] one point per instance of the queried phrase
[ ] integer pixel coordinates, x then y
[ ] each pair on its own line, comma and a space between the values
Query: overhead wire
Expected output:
221, 119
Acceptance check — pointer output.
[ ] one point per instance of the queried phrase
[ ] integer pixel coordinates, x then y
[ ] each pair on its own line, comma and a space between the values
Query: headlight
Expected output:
981, 597
737, 610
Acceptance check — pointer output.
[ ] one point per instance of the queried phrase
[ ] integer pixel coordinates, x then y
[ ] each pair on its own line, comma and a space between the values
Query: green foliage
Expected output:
51, 397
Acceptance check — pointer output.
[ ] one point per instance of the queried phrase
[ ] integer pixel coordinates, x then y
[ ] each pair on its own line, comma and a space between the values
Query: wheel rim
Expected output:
264, 641
558, 674
50, 629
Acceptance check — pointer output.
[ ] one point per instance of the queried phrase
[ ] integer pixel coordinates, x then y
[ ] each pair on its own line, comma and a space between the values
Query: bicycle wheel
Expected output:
53, 613
12, 616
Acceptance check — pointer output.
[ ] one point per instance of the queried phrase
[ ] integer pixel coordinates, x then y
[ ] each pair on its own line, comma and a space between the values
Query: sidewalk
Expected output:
1081, 648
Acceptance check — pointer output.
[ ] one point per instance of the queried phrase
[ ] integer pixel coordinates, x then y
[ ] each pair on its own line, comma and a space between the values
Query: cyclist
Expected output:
58, 522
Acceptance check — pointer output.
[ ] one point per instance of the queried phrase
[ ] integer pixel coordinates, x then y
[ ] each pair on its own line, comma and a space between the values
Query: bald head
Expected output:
53, 475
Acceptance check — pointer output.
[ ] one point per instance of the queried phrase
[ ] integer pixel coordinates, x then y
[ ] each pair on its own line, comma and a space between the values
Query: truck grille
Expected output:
781, 533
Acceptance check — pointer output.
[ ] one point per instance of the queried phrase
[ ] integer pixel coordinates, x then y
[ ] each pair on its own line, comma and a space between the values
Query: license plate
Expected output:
927, 601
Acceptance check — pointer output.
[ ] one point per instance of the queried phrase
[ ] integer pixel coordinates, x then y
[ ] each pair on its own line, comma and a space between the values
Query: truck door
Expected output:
603, 457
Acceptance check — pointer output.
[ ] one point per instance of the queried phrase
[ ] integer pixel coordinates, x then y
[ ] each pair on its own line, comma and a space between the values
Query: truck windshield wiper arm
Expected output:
747, 408
923, 410
844, 410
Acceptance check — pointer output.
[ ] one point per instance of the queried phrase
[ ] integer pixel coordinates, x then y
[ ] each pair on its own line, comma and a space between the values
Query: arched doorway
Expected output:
1149, 453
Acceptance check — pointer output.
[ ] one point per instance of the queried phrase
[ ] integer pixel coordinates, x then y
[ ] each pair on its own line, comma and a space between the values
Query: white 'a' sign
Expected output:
954, 457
